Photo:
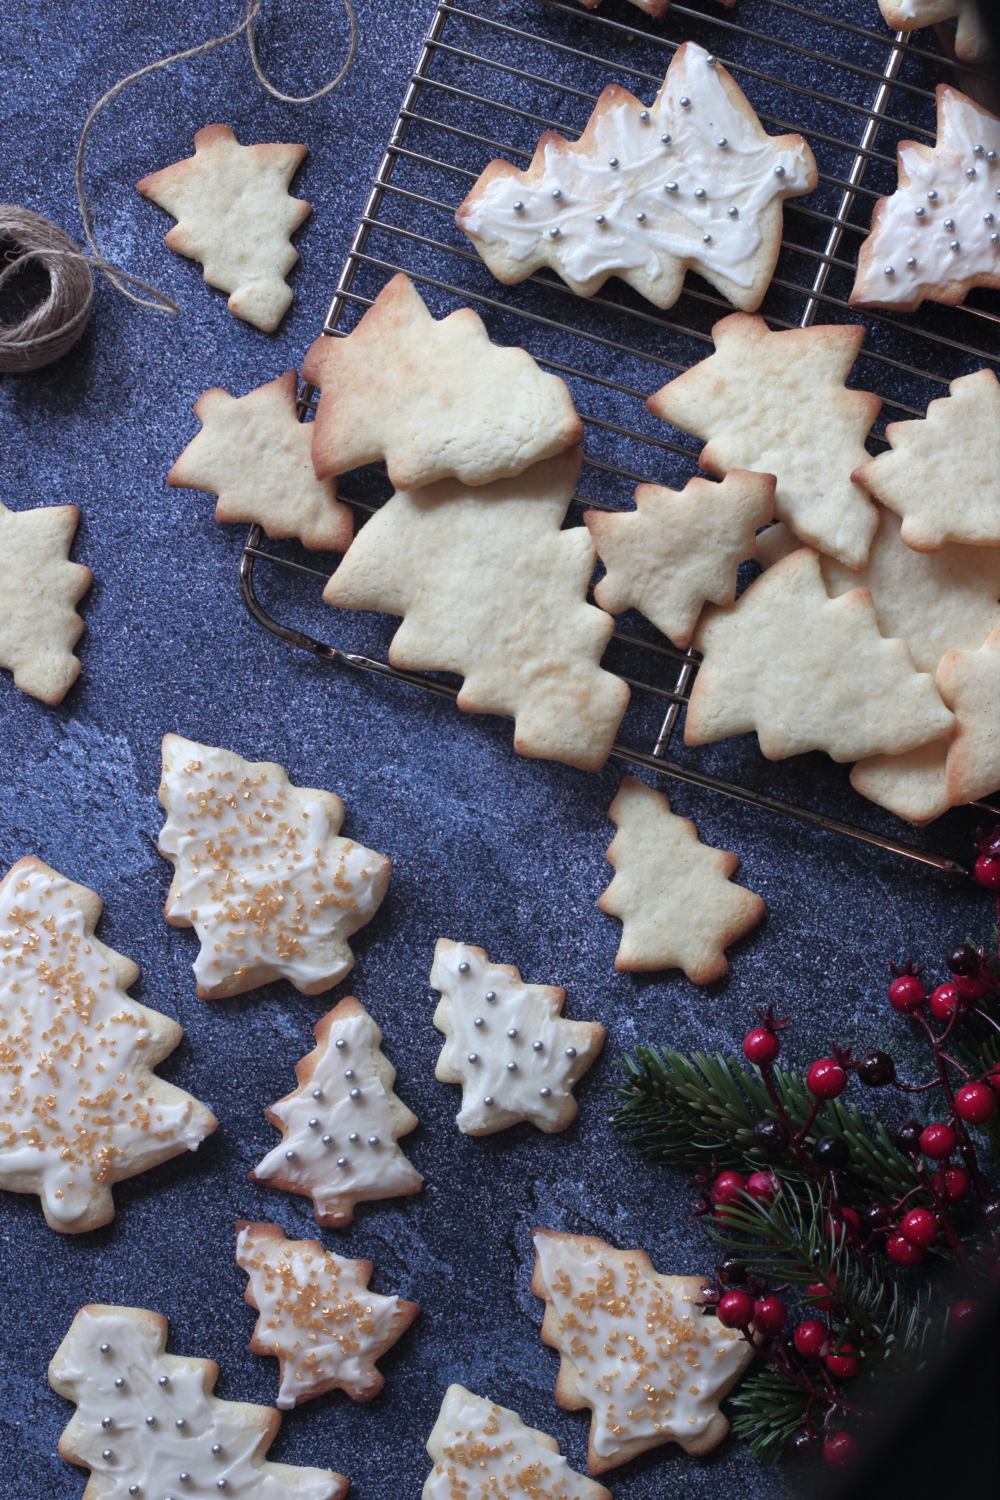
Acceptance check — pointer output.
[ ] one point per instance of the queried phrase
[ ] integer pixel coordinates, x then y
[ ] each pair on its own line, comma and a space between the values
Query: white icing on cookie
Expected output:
144, 1436
487, 1453
640, 197
944, 224
261, 873
77, 1098
350, 1149
649, 1362
515, 1056
317, 1315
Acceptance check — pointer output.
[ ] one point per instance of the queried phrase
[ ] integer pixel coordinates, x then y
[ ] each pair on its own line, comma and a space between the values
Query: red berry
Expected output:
970, 986
826, 1079
993, 1079
811, 1338
946, 1001
818, 1293
907, 993
953, 1183
919, 1226
904, 1252
770, 1315
761, 1045
840, 1450
975, 1102
937, 1141
854, 1219
763, 1186
845, 1363
987, 872
727, 1187
963, 1313
735, 1309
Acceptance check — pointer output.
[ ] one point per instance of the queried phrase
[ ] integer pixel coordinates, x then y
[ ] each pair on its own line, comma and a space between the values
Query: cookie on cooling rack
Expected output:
692, 181
39, 591
972, 43
938, 235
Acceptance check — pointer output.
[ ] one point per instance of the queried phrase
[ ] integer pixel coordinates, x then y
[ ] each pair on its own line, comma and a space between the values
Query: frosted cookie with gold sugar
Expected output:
261, 872
80, 1107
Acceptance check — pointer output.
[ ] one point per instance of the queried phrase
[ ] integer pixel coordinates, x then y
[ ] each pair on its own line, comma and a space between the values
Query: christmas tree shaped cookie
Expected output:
147, 1425
808, 672
436, 400
317, 1315
942, 475
507, 1043
80, 1107
235, 214
972, 42
261, 872
645, 193
255, 454
339, 1127
679, 548
937, 236
777, 403
635, 1347
492, 588
482, 1451
673, 894
39, 591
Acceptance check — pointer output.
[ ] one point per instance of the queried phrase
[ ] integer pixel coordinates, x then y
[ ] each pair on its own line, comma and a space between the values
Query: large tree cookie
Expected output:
674, 895
808, 672
146, 1423
777, 403
492, 588
678, 549
255, 454
81, 1108
435, 399
635, 1347
972, 43
39, 591
938, 235
482, 1451
235, 214
645, 193
340, 1125
942, 475
317, 1315
261, 872
508, 1044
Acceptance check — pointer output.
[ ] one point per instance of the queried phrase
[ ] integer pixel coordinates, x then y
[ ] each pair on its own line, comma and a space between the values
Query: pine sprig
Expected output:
768, 1408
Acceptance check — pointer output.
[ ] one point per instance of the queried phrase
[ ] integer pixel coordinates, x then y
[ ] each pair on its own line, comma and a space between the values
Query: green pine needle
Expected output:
769, 1408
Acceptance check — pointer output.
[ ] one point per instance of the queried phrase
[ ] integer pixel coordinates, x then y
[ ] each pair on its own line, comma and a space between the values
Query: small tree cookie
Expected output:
679, 548
435, 399
39, 591
972, 43
81, 1108
482, 1451
635, 1347
508, 1045
339, 1127
261, 872
673, 894
317, 1315
255, 454
235, 214
777, 403
147, 1424
970, 684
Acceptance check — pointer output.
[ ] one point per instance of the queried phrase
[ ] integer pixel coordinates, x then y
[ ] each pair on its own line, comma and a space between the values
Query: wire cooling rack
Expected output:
490, 77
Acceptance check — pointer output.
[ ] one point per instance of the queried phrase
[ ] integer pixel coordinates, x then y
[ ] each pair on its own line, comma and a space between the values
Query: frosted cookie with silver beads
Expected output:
148, 1426
317, 1315
635, 1347
507, 1043
340, 1126
80, 1108
691, 181
938, 235
261, 872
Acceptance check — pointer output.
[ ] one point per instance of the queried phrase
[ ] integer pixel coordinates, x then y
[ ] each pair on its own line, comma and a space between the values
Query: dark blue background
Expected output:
487, 848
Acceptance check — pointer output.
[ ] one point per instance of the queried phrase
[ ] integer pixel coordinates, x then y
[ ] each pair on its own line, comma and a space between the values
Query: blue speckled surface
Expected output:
487, 848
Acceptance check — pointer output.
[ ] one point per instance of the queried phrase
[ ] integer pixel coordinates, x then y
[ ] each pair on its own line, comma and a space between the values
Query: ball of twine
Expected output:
48, 330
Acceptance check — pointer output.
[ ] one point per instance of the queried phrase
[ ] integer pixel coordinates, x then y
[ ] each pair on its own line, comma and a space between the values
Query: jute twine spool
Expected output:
53, 327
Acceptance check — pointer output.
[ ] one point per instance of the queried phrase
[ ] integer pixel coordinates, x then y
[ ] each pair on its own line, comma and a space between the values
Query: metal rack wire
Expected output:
489, 78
